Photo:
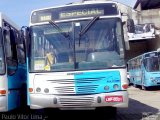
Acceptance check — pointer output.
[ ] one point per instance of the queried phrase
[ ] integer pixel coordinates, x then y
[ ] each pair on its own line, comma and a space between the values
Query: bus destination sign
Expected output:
81, 13
75, 11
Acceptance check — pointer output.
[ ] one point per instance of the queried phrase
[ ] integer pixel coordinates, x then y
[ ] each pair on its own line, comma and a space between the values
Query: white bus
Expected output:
12, 65
76, 57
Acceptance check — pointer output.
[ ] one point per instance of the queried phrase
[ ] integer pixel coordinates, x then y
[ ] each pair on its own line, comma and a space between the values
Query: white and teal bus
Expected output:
76, 57
12, 65
144, 70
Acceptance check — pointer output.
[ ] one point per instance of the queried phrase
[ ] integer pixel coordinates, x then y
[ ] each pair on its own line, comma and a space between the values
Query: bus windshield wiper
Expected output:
59, 29
66, 35
86, 28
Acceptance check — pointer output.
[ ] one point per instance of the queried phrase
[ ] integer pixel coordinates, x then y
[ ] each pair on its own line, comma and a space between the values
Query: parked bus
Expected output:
12, 65
76, 57
144, 70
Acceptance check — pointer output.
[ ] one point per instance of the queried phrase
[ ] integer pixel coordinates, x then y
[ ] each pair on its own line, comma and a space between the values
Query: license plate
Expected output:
114, 98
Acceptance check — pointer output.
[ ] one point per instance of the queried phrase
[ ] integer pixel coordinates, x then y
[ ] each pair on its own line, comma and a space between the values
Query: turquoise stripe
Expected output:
14, 85
94, 82
13, 99
28, 99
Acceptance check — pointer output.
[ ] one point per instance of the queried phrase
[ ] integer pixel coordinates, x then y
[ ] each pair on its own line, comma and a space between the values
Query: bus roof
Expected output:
75, 3
142, 55
33, 13
8, 20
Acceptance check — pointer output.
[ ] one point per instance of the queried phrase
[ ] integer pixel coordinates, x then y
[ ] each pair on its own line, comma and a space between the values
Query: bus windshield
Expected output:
152, 64
98, 48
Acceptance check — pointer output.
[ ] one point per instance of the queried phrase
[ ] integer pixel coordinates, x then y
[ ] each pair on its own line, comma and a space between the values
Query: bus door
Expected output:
10, 49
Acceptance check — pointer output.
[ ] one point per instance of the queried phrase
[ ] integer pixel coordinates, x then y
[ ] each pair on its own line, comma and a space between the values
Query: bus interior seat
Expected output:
102, 56
62, 57
80, 57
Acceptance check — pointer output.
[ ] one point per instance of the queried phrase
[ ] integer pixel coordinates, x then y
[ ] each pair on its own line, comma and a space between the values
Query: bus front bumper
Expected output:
114, 99
3, 103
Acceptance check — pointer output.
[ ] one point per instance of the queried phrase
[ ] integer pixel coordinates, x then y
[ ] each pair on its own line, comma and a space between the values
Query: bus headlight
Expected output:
151, 78
106, 88
38, 89
115, 86
46, 90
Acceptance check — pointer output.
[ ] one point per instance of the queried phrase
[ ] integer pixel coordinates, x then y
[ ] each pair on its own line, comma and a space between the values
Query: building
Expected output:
147, 4
148, 11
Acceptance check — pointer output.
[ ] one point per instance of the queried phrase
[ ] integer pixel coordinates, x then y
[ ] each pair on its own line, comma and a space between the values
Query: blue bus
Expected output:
144, 70
76, 57
12, 66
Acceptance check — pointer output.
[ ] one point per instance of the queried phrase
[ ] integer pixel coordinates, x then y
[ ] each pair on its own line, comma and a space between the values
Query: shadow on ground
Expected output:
152, 88
135, 111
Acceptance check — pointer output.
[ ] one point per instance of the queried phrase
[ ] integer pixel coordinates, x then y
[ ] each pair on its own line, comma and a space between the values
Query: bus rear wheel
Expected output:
144, 88
135, 85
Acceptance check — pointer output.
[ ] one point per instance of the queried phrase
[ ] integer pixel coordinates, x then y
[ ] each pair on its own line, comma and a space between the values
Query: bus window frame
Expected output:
146, 64
120, 43
12, 72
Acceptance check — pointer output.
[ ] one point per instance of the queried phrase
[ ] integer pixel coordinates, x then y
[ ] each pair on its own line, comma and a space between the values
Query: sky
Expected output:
19, 10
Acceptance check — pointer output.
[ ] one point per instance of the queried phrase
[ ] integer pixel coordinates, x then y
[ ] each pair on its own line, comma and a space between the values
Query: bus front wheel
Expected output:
108, 111
135, 85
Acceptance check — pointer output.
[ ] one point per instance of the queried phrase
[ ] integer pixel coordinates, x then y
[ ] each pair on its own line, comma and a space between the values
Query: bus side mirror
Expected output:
123, 23
25, 35
126, 39
130, 26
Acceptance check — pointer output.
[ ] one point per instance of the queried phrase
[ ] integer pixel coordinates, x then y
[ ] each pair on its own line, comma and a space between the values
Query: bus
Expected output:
144, 70
75, 57
12, 66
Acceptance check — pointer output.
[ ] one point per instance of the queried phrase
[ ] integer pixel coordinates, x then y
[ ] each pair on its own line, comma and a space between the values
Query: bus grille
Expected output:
87, 89
76, 102
88, 80
84, 83
77, 86
65, 90
60, 81
87, 85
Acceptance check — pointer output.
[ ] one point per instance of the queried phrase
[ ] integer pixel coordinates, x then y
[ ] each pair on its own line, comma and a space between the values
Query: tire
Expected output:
23, 97
129, 82
37, 111
135, 85
144, 88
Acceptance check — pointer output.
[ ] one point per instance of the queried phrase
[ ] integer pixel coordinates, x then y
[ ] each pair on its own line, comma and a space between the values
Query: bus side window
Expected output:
7, 44
10, 50
145, 64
